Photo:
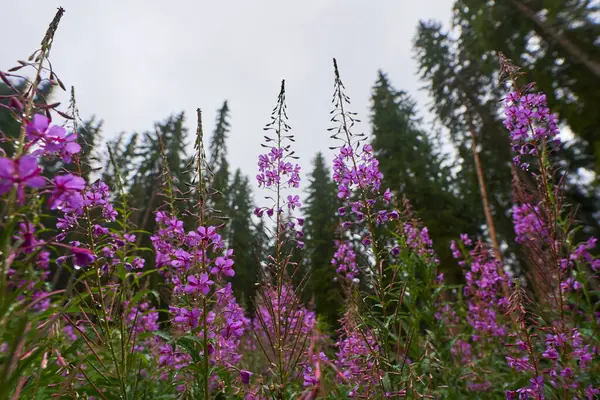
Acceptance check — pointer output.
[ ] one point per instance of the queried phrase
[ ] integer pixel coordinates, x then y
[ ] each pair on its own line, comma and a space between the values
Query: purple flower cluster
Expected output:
275, 170
72, 197
344, 261
51, 140
564, 358
312, 369
232, 323
419, 240
483, 291
195, 263
352, 170
530, 123
528, 223
356, 359
277, 173
282, 326
295, 317
461, 350
142, 318
582, 254
170, 356
183, 252
66, 194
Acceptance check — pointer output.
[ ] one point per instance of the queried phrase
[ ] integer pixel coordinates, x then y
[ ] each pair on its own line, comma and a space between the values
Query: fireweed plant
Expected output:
382, 350
85, 312
283, 327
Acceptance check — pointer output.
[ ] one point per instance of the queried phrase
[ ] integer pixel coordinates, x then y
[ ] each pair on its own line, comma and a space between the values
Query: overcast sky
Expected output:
134, 62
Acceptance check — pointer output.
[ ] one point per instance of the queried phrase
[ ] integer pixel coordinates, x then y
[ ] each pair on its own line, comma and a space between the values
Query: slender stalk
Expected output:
278, 264
201, 219
43, 54
369, 212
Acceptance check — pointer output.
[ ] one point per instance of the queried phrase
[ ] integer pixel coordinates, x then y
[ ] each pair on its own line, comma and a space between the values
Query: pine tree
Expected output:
140, 165
88, 137
555, 43
241, 237
413, 166
124, 158
462, 71
218, 161
320, 226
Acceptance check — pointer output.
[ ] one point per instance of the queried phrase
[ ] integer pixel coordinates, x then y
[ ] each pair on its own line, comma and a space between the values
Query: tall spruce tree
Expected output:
140, 165
555, 43
462, 72
124, 151
413, 166
466, 100
320, 226
241, 239
218, 161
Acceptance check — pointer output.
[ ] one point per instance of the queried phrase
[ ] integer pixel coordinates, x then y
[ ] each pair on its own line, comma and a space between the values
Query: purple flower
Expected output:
387, 196
344, 260
36, 129
530, 123
233, 328
591, 392
54, 138
293, 201
67, 192
223, 266
187, 319
21, 172
196, 285
83, 257
99, 230
27, 235
245, 375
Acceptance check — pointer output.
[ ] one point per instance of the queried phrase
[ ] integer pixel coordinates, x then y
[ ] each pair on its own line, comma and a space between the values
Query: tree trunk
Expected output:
486, 206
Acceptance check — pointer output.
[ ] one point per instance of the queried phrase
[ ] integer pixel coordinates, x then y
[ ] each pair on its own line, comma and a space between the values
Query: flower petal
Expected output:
36, 182
28, 167
7, 168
